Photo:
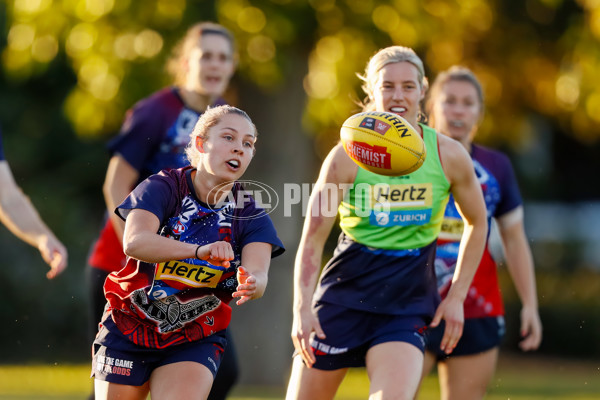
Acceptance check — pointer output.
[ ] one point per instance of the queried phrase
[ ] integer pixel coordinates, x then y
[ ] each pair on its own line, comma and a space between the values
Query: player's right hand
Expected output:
305, 323
54, 254
216, 253
451, 311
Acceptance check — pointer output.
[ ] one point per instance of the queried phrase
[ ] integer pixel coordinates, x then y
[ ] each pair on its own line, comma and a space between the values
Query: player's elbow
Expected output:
477, 224
107, 191
133, 246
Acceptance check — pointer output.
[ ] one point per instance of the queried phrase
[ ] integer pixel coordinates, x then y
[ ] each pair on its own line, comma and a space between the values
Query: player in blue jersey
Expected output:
19, 215
377, 295
153, 137
455, 107
195, 240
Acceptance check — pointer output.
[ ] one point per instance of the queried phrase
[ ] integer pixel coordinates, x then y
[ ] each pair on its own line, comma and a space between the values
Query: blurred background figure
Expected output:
19, 215
153, 137
455, 108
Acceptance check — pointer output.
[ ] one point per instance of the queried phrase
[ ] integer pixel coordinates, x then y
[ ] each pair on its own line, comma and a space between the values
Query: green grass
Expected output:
518, 378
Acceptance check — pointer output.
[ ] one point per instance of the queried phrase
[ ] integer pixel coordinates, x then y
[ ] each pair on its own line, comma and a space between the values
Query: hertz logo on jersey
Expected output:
189, 274
401, 205
406, 195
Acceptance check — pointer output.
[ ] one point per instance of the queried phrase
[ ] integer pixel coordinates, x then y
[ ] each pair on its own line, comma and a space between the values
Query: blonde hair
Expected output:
181, 51
211, 117
454, 73
383, 57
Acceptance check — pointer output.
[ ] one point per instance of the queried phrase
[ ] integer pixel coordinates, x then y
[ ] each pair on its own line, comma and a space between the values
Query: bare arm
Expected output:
141, 242
470, 204
120, 179
22, 219
521, 268
337, 169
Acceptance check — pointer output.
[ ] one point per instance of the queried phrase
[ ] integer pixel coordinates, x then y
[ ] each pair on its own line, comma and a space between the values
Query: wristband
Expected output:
196, 252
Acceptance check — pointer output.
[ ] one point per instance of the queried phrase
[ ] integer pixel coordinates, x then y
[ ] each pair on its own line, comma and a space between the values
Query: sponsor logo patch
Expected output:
400, 218
375, 125
403, 195
116, 366
189, 274
322, 348
374, 156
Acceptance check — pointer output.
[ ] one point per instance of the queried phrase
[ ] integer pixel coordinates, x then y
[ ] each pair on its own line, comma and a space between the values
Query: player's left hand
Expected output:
451, 311
247, 286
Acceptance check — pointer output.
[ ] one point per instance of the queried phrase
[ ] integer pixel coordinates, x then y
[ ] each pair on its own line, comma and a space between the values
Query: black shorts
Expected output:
118, 360
479, 335
351, 333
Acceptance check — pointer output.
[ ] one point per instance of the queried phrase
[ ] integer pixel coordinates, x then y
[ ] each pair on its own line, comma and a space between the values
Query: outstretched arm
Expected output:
142, 242
521, 268
22, 219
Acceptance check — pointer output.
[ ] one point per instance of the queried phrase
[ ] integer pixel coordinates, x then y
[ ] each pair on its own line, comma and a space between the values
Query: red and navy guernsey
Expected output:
162, 304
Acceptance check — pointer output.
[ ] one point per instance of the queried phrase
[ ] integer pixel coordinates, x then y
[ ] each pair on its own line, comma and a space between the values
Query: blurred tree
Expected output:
532, 55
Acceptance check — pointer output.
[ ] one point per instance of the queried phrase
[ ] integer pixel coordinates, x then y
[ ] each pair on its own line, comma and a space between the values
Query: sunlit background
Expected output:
532, 55
71, 68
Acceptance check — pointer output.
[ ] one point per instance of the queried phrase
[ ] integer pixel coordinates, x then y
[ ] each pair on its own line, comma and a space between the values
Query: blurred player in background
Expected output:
21, 218
455, 108
153, 137
377, 294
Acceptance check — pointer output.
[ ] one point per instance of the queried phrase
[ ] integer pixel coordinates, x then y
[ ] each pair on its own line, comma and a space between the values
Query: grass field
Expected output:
518, 378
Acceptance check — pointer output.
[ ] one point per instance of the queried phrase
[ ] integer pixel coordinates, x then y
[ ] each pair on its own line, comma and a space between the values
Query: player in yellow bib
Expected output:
377, 295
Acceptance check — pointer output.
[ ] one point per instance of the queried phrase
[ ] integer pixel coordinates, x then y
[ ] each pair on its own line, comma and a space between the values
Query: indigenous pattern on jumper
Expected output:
161, 304
153, 137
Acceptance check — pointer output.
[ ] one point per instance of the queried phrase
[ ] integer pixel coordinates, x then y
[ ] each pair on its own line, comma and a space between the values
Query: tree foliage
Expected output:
537, 56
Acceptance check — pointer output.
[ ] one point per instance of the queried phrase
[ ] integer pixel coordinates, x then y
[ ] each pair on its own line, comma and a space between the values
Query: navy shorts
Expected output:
479, 335
351, 333
118, 360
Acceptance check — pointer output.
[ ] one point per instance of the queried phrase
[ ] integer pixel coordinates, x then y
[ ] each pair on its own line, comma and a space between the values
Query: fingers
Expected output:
529, 343
57, 266
318, 330
303, 328
308, 354
437, 318
221, 251
57, 262
531, 329
243, 275
531, 332
451, 311
452, 334
216, 253
452, 330
303, 348
247, 286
